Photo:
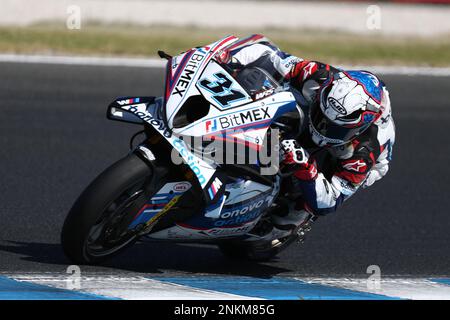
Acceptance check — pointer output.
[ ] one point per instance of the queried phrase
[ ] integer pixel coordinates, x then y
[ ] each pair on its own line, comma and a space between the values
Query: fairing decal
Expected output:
202, 170
161, 202
178, 87
245, 203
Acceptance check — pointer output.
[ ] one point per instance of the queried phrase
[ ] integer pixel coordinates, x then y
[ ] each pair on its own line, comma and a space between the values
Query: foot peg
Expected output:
304, 228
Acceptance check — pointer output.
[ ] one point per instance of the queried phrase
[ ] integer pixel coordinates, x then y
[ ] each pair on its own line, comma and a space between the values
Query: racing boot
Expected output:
297, 219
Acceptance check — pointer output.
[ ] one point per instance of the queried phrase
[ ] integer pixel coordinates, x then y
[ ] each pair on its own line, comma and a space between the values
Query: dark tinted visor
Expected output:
329, 129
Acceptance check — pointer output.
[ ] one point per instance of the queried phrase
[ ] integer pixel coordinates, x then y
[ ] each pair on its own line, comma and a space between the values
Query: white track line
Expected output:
130, 287
416, 289
88, 61
403, 70
159, 63
142, 288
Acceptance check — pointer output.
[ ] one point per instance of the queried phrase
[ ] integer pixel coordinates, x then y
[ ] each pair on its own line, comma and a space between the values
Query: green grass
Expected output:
96, 39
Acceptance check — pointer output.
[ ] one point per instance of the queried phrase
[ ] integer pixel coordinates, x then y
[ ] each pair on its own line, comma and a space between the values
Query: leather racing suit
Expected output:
356, 164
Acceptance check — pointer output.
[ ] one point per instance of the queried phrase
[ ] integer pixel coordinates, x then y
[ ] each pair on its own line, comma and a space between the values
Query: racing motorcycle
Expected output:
146, 196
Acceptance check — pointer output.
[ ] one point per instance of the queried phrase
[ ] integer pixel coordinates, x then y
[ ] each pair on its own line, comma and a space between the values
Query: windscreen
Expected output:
255, 80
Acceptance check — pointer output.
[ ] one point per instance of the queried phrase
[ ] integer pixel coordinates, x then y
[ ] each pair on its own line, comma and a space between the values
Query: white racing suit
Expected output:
357, 164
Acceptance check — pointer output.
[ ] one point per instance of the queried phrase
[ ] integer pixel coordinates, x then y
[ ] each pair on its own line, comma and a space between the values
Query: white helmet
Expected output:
349, 103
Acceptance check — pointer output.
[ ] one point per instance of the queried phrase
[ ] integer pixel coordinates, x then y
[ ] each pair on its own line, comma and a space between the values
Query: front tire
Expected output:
96, 227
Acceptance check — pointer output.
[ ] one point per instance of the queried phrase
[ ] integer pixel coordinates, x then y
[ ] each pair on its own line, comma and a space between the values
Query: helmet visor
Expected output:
329, 131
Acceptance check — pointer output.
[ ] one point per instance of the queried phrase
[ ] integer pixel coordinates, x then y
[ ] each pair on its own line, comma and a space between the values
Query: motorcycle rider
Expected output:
349, 116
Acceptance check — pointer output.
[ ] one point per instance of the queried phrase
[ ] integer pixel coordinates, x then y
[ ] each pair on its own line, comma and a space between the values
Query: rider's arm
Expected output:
290, 67
257, 48
308, 76
281, 61
324, 196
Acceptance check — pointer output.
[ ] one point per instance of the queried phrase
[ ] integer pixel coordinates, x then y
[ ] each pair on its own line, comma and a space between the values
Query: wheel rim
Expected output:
109, 234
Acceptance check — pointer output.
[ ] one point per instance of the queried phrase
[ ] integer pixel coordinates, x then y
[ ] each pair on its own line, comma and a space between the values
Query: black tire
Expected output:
95, 203
261, 250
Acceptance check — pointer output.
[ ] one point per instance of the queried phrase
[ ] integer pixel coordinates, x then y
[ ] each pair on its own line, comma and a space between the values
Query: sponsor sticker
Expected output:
128, 101
264, 94
242, 118
337, 106
228, 231
211, 125
188, 73
243, 214
141, 112
214, 188
358, 166
190, 160
182, 187
168, 206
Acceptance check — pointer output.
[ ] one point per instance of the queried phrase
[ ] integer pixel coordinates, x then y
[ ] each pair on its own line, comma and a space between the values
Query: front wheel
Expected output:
96, 227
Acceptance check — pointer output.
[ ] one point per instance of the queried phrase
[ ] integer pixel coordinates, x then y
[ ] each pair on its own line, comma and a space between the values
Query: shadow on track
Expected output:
150, 258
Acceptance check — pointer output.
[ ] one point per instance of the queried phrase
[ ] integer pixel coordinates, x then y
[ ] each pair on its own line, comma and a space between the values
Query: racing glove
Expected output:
297, 158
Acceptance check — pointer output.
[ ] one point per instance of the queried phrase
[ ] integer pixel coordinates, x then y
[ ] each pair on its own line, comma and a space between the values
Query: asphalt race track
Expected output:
55, 138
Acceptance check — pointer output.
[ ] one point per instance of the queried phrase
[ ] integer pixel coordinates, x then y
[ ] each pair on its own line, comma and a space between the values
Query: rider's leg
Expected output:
297, 215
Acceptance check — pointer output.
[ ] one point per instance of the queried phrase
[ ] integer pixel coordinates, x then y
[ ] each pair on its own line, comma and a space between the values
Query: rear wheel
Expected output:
265, 249
96, 227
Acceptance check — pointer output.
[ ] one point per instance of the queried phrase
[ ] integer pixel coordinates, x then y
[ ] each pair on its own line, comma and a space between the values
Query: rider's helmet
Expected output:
348, 103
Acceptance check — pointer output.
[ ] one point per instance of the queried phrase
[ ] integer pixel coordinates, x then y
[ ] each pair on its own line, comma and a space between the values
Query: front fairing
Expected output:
234, 114
183, 71
238, 109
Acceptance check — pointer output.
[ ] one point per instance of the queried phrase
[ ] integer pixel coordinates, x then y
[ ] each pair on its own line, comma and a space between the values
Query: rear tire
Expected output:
260, 250
89, 215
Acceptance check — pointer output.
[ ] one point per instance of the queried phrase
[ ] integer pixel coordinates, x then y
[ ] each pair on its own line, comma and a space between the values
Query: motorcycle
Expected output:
146, 196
